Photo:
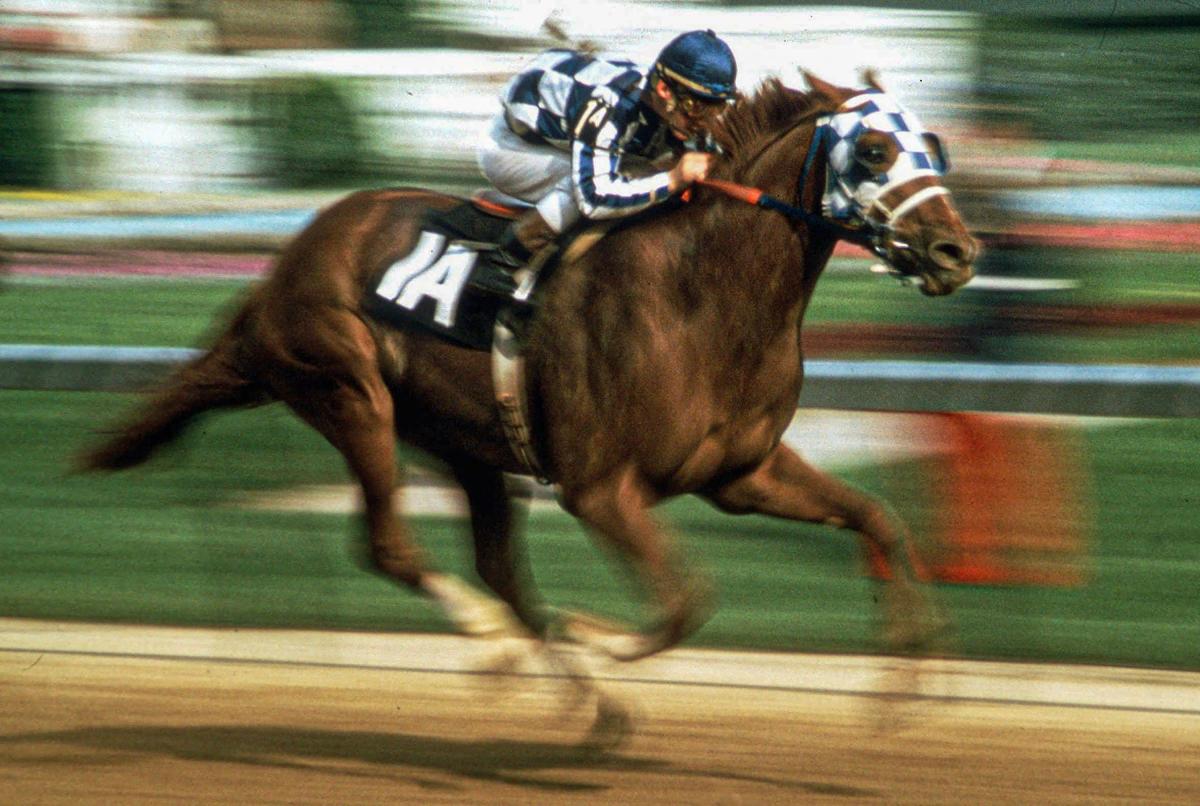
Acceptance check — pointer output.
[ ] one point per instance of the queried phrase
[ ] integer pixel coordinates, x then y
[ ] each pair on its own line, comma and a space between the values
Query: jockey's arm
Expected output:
602, 191
602, 185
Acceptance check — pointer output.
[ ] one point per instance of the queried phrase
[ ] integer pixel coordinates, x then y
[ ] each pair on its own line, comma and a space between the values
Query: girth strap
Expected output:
508, 371
508, 374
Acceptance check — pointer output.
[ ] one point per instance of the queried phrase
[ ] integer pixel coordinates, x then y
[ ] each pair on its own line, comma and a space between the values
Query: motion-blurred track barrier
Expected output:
1108, 390
1100, 390
85, 368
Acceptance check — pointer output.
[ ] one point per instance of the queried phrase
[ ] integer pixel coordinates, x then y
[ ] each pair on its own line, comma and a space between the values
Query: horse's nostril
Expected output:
949, 254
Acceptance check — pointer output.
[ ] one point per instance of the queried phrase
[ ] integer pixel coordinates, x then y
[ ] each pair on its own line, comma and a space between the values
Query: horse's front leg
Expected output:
617, 512
786, 486
502, 564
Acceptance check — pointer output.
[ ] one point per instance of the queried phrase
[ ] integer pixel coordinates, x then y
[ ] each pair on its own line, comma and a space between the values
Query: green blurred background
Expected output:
1081, 96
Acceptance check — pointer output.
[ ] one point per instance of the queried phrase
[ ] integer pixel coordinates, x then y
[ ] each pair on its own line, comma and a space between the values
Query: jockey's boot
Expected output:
521, 240
527, 235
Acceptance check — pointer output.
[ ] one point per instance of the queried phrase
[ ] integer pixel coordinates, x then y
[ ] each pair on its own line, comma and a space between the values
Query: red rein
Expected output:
733, 190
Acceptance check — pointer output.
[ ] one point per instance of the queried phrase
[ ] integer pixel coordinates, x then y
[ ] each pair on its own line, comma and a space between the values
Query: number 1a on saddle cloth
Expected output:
442, 286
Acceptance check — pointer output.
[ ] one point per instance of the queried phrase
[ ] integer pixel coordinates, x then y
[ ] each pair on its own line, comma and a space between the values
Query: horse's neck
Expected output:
781, 260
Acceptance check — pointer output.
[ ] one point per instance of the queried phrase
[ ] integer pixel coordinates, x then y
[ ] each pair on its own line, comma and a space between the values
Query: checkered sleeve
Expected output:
600, 188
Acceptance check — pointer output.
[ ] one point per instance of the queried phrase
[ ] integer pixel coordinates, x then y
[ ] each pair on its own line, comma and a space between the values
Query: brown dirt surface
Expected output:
103, 727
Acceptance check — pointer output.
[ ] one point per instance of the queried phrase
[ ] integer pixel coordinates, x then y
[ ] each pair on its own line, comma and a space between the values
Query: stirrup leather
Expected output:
508, 372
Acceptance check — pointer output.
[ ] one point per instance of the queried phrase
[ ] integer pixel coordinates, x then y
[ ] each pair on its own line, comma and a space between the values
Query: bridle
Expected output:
852, 206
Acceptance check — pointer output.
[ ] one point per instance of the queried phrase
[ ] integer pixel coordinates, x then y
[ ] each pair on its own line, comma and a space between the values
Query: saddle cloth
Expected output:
441, 285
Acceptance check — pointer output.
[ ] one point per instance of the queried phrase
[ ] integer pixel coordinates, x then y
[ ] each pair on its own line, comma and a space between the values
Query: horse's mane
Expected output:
755, 119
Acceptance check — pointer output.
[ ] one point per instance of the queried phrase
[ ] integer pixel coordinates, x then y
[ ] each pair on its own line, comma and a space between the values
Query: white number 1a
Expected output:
431, 270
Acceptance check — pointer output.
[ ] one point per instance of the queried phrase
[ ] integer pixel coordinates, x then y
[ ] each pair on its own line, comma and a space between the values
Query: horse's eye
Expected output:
872, 154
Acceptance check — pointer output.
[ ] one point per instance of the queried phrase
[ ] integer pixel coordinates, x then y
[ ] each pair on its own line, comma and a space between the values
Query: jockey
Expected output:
573, 126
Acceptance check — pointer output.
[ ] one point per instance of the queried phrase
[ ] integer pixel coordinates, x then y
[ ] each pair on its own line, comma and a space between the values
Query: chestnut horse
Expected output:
664, 360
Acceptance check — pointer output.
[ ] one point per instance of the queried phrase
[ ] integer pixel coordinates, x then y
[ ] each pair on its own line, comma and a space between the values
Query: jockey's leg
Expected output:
523, 238
521, 169
786, 486
537, 174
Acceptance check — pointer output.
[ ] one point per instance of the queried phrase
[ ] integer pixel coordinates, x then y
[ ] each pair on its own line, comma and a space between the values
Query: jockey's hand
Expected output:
692, 167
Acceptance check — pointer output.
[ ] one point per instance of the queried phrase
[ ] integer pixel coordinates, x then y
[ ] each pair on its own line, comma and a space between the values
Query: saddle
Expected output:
443, 286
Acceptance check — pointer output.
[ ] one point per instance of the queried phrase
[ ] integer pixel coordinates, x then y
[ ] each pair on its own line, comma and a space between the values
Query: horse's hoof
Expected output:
915, 624
612, 729
690, 610
900, 689
507, 660
603, 635
474, 613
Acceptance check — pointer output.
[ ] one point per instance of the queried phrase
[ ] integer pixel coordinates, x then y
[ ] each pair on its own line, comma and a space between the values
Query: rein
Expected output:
860, 236
759, 198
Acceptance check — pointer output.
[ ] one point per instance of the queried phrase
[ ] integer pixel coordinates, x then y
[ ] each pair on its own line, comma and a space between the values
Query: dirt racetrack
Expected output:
109, 715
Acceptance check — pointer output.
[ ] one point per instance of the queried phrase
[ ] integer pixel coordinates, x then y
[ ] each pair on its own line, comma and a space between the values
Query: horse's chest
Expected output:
728, 446
728, 432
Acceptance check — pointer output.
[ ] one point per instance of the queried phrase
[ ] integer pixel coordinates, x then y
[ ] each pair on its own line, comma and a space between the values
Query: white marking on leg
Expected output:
473, 612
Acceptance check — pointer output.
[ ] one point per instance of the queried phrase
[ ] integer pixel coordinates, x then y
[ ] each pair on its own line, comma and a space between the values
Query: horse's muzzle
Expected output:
948, 264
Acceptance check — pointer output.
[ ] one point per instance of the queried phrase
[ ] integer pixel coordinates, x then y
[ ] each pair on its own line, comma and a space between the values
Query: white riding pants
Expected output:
540, 175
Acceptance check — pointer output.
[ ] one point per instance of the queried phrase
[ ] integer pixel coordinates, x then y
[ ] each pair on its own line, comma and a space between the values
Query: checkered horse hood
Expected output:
851, 187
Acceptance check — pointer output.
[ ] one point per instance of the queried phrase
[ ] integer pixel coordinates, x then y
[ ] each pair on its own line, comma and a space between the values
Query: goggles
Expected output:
695, 107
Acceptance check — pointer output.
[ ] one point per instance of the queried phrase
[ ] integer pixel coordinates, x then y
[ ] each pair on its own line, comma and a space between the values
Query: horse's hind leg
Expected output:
788, 487
348, 402
357, 421
359, 424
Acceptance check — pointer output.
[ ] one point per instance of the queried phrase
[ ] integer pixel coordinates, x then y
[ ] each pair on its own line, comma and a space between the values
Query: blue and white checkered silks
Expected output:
589, 108
851, 188
549, 95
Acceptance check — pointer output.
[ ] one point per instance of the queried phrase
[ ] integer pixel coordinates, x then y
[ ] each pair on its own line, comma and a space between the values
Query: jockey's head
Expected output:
694, 77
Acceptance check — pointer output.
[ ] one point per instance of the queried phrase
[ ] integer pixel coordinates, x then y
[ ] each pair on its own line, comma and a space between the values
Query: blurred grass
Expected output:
1096, 80
114, 311
163, 312
164, 544
1157, 148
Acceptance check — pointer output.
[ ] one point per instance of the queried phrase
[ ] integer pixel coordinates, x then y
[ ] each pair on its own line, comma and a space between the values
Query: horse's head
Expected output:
883, 179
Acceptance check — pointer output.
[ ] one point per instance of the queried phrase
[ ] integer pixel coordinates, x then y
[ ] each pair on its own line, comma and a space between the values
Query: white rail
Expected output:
1105, 390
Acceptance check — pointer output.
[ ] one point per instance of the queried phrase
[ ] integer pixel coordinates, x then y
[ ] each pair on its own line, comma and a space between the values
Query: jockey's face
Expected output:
686, 114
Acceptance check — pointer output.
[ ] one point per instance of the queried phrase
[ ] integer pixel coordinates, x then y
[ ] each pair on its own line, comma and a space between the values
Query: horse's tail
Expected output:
212, 381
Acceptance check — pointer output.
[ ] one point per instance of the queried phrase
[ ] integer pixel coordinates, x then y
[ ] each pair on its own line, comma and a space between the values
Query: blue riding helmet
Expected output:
701, 63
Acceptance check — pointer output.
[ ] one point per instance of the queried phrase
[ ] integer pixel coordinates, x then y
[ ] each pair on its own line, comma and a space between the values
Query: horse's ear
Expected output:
871, 78
822, 88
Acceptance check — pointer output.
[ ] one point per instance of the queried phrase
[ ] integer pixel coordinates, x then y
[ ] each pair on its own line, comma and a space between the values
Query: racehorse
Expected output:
665, 359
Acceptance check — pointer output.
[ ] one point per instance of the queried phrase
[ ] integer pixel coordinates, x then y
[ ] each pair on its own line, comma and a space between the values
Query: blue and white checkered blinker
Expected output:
851, 188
